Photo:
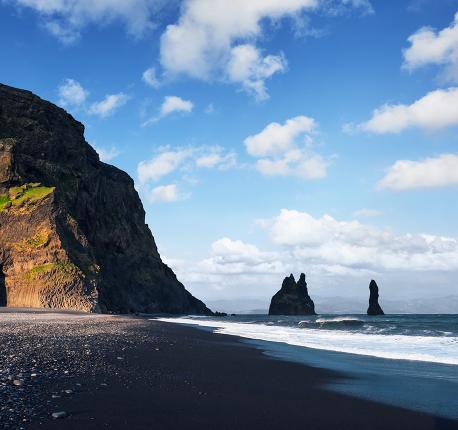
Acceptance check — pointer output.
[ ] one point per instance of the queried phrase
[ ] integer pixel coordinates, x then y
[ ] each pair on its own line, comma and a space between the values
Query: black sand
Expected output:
141, 374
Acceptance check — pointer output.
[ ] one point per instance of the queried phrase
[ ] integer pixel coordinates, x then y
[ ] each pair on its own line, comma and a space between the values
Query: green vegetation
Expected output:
4, 199
65, 268
42, 268
37, 240
24, 194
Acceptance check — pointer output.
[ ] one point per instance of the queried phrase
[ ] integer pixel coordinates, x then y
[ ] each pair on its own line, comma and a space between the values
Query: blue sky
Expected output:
269, 136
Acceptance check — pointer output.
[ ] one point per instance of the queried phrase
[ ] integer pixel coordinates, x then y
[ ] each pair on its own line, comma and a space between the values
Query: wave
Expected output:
337, 322
432, 349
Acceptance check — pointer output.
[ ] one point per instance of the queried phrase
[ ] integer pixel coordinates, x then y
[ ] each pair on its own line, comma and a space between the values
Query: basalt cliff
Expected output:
292, 299
374, 307
72, 228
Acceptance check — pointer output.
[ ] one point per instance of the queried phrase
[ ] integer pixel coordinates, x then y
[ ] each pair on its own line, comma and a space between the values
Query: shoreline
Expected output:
146, 374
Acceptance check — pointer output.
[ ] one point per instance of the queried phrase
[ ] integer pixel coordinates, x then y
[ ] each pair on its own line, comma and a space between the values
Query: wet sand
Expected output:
120, 372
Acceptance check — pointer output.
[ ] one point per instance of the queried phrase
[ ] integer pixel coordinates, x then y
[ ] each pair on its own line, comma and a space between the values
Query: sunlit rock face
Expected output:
374, 307
72, 229
292, 299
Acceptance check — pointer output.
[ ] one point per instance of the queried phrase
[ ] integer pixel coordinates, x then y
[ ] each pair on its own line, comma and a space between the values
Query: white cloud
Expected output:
107, 154
173, 104
170, 105
167, 161
71, 93
109, 105
66, 18
248, 67
430, 47
163, 164
150, 78
437, 109
235, 257
432, 172
368, 213
215, 158
166, 194
215, 39
277, 138
280, 153
351, 244
335, 254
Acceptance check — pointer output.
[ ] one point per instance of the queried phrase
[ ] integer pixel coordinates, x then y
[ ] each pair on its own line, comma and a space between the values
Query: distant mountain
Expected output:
346, 305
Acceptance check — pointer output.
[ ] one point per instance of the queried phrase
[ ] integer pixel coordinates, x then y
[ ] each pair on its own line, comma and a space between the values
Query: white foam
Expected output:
337, 319
431, 349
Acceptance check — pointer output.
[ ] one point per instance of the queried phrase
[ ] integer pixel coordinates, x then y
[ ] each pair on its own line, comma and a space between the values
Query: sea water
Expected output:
405, 360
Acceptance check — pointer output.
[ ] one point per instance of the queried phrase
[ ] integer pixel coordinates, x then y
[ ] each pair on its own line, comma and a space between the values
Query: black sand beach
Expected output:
121, 372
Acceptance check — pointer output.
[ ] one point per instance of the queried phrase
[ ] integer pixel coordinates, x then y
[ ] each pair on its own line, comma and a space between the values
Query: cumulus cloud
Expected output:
66, 18
429, 173
437, 109
215, 39
235, 257
170, 105
166, 194
72, 94
355, 245
277, 138
431, 47
162, 164
109, 105
332, 252
107, 154
215, 158
167, 161
283, 149
149, 78
248, 67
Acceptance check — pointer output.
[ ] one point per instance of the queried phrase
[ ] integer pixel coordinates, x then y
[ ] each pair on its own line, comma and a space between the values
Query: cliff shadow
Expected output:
2, 287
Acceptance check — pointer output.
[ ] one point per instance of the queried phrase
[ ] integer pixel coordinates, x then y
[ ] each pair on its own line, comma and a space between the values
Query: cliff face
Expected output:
72, 229
292, 299
374, 307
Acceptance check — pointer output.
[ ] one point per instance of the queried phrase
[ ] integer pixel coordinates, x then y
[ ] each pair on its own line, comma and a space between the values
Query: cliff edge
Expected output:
72, 228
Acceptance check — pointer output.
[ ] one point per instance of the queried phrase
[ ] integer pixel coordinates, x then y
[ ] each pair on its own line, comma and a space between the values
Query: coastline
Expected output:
146, 374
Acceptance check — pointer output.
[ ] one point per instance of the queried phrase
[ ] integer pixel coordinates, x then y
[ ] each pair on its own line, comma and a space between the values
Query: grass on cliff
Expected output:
38, 240
24, 194
65, 268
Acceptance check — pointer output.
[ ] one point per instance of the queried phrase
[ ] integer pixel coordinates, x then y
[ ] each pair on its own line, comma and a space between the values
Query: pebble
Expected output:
68, 391
59, 415
18, 383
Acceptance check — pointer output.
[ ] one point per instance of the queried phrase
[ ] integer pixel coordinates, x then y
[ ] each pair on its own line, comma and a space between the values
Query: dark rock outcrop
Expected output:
374, 307
292, 299
72, 229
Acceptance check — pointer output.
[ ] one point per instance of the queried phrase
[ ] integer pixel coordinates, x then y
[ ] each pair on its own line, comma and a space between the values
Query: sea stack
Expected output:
292, 299
72, 228
374, 307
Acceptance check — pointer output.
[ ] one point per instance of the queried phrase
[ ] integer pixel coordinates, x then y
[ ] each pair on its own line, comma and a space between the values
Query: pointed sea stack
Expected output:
292, 299
72, 229
374, 307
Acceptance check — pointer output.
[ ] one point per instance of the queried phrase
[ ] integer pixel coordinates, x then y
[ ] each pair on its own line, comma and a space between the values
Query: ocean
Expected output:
406, 360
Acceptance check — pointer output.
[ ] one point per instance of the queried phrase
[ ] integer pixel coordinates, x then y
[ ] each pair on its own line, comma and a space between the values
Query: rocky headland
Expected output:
292, 299
374, 307
72, 228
